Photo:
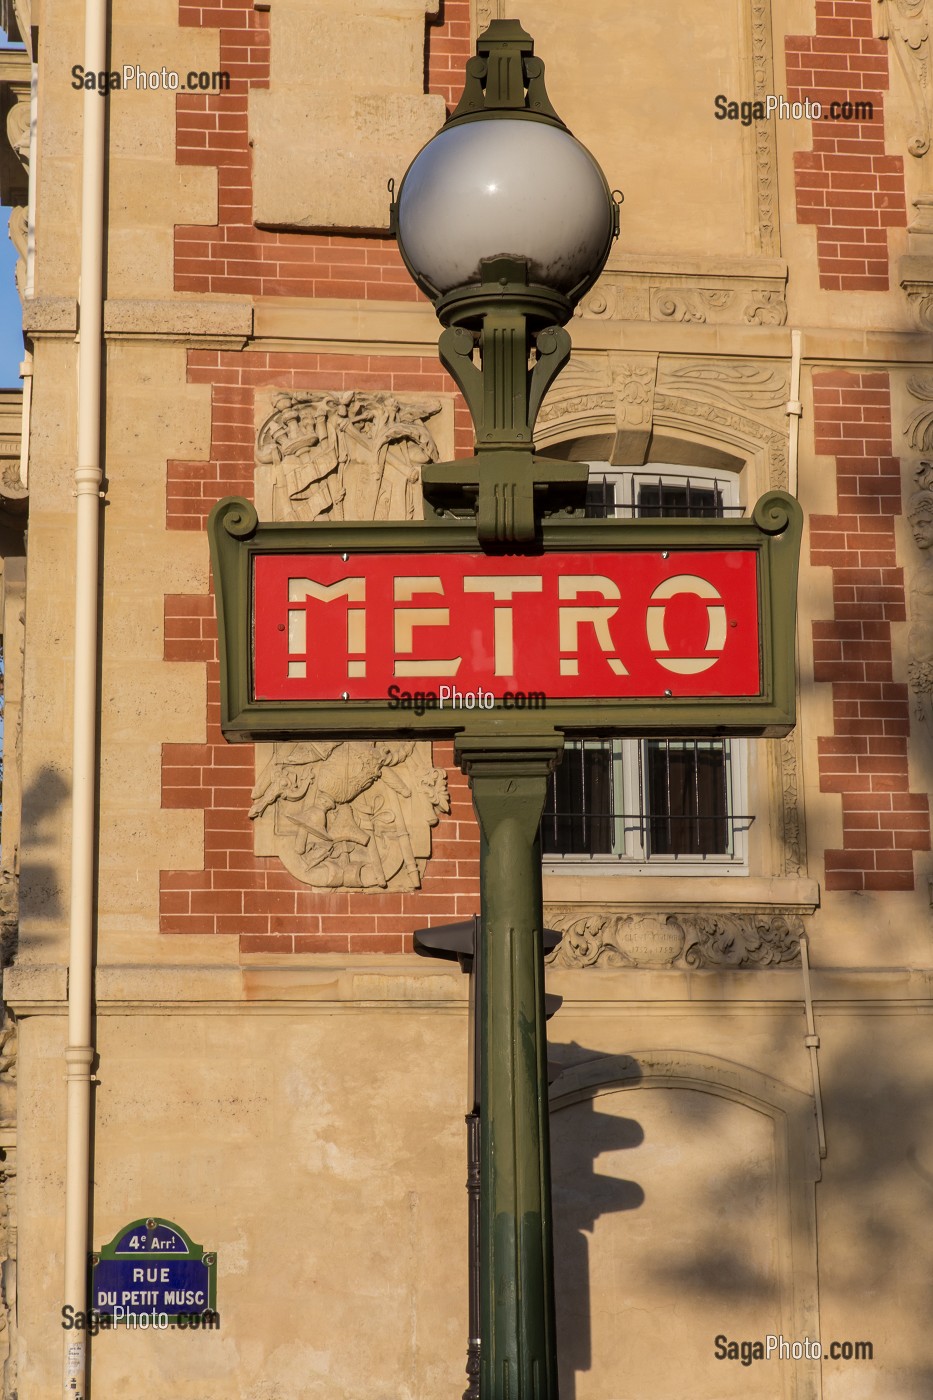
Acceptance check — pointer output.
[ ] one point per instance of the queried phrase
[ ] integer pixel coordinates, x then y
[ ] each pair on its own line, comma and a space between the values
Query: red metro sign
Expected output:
604, 627
567, 626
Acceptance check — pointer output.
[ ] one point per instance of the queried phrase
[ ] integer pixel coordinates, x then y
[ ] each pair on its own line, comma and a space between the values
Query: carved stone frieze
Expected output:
8, 1054
908, 23
15, 106
729, 425
793, 856
766, 179
715, 305
352, 815
347, 456
18, 229
484, 12
14, 497
634, 390
581, 406
17, 129
690, 303
920, 634
9, 926
920, 301
14, 153
16, 21
8, 1254
583, 391
714, 299
919, 430
633, 383
690, 939
612, 300
8, 1230
738, 383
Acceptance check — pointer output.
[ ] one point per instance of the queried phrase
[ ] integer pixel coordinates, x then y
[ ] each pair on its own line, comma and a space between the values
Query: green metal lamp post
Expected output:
505, 220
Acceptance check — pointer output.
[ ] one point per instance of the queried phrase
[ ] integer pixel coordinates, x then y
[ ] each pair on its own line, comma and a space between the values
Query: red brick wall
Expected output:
236, 891
194, 487
865, 760
846, 185
233, 256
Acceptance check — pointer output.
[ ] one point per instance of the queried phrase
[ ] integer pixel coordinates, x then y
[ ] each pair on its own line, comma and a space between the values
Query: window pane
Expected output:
661, 498
600, 498
686, 797
679, 799
578, 813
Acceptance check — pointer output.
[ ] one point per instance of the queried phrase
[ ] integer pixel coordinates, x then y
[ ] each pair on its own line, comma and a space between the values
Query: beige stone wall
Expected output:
303, 1115
308, 1125
317, 1146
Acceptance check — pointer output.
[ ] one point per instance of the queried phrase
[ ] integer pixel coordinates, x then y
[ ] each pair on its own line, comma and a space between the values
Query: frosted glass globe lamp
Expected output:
504, 220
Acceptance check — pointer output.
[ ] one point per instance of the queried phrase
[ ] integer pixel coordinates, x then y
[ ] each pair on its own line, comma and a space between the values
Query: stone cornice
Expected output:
225, 325
401, 983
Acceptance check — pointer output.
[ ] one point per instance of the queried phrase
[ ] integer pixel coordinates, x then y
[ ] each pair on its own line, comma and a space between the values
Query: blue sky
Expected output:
11, 339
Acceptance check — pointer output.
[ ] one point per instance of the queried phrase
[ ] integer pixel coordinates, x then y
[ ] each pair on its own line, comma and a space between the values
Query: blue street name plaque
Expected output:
152, 1267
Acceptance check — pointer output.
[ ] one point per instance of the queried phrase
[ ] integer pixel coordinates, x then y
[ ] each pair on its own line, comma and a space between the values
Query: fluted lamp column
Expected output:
505, 220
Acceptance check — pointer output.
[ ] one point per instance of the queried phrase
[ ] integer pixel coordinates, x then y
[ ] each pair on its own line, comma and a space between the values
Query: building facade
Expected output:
221, 935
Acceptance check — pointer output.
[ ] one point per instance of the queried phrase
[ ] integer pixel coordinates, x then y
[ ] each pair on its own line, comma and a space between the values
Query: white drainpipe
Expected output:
794, 410
79, 1054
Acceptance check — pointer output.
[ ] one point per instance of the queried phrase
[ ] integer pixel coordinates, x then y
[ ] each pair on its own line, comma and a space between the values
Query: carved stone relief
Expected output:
919, 290
16, 21
351, 815
347, 456
907, 22
633, 382
717, 305
18, 229
919, 430
730, 427
17, 130
14, 176
738, 383
793, 850
8, 1232
622, 296
920, 635
766, 179
484, 12
582, 396
691, 940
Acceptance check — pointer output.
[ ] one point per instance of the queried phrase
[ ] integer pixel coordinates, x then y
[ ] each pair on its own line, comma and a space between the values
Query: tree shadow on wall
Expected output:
581, 1194
873, 1197
38, 888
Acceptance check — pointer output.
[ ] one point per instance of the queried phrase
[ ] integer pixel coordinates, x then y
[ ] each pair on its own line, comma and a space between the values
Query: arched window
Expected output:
676, 802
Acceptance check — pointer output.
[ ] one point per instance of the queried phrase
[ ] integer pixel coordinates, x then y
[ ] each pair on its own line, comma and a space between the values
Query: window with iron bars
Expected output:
676, 801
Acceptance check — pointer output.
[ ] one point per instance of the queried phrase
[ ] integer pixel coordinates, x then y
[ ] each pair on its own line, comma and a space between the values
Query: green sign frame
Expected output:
773, 530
